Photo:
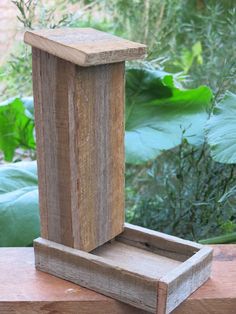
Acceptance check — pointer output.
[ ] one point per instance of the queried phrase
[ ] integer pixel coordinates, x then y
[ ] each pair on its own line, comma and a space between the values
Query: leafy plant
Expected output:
19, 215
27, 12
187, 35
159, 114
183, 192
16, 126
16, 74
221, 130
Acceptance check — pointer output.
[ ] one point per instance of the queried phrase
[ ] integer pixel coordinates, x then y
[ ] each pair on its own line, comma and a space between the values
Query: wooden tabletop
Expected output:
25, 290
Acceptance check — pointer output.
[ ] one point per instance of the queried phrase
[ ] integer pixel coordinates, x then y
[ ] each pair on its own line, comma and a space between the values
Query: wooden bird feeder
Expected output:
78, 82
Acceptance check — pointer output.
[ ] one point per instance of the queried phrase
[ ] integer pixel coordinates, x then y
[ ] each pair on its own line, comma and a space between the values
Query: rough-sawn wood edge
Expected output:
99, 274
121, 50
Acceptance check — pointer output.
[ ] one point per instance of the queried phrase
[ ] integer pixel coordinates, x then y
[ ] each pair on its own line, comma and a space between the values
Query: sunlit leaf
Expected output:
159, 115
16, 127
221, 130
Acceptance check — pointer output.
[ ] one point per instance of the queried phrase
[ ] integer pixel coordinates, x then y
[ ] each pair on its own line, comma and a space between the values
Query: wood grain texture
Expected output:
80, 132
137, 260
160, 243
134, 275
96, 273
24, 290
177, 285
218, 294
85, 46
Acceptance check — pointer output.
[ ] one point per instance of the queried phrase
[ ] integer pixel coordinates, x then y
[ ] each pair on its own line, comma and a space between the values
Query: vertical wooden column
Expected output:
78, 81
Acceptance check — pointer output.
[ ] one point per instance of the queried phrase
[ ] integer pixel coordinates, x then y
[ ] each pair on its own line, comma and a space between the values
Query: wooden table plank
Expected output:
25, 290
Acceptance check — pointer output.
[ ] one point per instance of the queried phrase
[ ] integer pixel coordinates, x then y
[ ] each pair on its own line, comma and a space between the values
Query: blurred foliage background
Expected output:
182, 190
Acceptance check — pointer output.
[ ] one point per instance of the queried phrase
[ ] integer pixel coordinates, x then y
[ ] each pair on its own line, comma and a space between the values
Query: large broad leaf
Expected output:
18, 175
159, 114
221, 130
16, 126
19, 213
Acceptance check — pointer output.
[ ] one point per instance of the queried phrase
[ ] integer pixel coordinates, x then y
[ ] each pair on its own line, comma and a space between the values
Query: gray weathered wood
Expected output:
85, 46
131, 274
78, 80
177, 285
96, 273
80, 150
162, 244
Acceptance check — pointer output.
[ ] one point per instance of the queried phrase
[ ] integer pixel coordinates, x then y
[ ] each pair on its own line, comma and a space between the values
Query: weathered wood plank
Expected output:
160, 243
131, 274
85, 46
99, 164
26, 290
137, 260
96, 273
80, 133
177, 285
52, 81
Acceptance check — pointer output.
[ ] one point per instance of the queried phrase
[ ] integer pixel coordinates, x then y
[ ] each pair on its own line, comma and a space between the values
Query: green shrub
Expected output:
183, 192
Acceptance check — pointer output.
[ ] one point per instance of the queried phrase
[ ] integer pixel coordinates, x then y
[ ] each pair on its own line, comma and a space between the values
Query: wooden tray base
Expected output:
147, 269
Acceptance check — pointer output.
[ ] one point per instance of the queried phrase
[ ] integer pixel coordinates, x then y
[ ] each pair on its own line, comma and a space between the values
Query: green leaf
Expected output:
197, 52
221, 130
227, 238
16, 127
17, 175
19, 213
187, 57
159, 115
197, 49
